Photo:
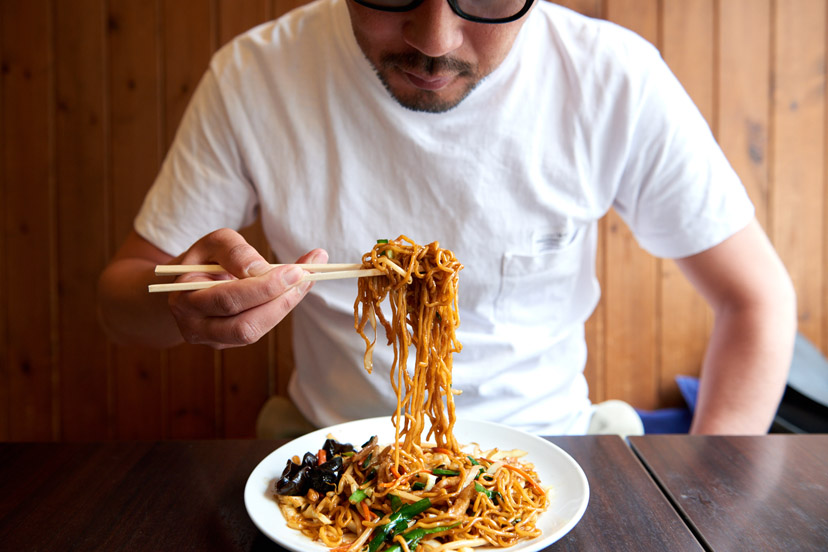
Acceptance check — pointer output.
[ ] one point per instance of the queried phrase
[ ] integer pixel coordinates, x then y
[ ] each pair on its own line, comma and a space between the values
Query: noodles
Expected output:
431, 494
423, 295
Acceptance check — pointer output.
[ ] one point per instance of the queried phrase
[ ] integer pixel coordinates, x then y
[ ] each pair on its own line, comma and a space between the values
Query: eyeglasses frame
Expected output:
454, 7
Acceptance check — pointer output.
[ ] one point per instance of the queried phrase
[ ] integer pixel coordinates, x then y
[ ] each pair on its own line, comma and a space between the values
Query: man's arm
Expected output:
232, 314
746, 365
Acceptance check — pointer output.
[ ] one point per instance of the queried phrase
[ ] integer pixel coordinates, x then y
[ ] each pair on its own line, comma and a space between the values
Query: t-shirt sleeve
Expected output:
202, 185
678, 193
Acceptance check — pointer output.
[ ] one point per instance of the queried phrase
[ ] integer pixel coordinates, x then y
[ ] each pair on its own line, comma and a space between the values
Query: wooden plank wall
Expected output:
90, 96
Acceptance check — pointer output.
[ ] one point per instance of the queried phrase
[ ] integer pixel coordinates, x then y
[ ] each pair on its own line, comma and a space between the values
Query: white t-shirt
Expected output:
291, 123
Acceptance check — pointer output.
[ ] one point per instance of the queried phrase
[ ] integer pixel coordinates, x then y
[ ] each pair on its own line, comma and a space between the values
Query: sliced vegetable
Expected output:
413, 537
388, 253
366, 512
441, 471
357, 496
492, 495
397, 523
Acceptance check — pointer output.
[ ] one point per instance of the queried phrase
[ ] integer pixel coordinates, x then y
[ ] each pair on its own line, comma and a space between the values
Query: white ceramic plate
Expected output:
568, 498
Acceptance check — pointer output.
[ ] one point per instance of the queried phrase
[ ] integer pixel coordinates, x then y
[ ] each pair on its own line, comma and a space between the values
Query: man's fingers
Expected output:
236, 297
315, 256
247, 327
229, 249
242, 311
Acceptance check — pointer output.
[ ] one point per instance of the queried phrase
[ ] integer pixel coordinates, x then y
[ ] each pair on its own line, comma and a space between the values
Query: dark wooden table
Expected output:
745, 493
189, 496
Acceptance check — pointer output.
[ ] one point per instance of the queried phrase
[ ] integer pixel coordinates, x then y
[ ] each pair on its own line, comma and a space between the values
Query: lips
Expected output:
428, 82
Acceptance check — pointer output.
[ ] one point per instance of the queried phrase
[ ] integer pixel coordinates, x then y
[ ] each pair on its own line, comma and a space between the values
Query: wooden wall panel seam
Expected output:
5, 382
53, 231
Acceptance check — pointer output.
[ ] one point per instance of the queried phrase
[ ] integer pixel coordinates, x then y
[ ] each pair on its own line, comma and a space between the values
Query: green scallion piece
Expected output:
357, 496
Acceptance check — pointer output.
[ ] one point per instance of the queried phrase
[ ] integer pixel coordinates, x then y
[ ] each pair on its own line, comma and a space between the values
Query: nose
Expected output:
433, 28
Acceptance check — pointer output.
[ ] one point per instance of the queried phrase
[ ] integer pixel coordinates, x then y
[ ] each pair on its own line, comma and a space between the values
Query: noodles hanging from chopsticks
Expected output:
422, 289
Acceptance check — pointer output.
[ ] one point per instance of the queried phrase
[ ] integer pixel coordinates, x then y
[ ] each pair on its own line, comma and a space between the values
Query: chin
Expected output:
428, 101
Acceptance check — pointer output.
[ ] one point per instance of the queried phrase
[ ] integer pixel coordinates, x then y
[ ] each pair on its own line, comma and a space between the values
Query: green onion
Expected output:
388, 252
473, 461
397, 523
396, 502
357, 496
491, 495
440, 471
418, 486
413, 537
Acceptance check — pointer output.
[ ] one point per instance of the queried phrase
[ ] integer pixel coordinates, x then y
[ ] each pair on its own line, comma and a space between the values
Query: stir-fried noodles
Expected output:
421, 283
433, 494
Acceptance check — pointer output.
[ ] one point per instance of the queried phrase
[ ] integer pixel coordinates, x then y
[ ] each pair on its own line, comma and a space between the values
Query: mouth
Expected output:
428, 82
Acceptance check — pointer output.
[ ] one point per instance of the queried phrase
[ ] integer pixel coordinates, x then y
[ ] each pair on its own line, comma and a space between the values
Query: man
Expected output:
504, 130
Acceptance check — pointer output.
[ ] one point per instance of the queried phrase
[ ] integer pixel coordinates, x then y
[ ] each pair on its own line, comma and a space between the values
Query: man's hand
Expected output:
233, 314
240, 312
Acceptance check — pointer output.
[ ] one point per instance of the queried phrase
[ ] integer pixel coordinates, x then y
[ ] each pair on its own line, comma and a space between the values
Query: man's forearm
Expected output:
745, 369
128, 313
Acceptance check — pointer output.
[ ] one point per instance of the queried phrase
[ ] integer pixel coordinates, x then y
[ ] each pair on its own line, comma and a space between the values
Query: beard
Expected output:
429, 101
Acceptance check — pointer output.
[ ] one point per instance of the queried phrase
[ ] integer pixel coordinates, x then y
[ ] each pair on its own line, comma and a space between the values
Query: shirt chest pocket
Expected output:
540, 288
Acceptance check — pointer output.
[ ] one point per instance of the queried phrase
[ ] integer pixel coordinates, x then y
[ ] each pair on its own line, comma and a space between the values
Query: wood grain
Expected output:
177, 495
134, 51
744, 60
745, 493
799, 150
688, 47
4, 321
29, 180
626, 510
82, 253
591, 8
631, 275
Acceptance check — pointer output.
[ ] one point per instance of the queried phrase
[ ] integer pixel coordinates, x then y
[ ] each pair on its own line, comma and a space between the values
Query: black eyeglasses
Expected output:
480, 11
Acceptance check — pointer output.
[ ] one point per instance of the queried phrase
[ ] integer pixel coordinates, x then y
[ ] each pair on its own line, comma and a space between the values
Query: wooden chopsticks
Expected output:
331, 271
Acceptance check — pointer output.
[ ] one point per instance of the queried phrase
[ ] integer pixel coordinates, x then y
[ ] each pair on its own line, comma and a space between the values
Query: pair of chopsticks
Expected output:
331, 271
